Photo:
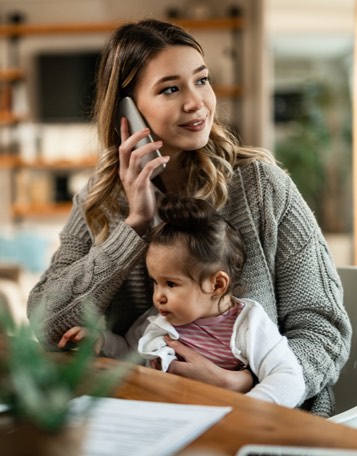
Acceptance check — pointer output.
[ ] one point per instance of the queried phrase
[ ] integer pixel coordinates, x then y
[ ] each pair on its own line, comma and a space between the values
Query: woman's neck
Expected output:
173, 178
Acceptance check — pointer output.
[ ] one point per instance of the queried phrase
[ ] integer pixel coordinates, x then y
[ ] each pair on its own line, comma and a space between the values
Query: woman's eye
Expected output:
204, 80
171, 284
169, 90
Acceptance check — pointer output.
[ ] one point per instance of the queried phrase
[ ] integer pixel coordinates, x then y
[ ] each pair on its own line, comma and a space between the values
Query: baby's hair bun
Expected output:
185, 212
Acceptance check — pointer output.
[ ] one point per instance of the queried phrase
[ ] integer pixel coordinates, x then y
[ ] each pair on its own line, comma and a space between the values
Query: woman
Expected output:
100, 263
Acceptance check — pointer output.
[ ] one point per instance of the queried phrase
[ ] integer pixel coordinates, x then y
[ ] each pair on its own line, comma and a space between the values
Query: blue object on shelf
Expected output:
27, 249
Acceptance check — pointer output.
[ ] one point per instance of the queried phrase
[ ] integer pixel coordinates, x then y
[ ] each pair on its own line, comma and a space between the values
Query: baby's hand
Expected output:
75, 334
155, 363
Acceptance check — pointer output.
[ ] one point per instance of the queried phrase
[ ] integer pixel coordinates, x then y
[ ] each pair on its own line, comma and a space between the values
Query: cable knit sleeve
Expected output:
82, 274
290, 272
308, 290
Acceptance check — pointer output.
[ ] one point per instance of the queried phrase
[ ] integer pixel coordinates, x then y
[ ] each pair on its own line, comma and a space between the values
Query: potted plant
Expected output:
36, 389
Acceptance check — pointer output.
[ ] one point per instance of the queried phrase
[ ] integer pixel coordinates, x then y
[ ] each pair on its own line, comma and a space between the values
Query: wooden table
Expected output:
251, 420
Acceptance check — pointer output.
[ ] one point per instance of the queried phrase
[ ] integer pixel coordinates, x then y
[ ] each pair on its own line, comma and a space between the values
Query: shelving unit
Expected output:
32, 208
8, 77
223, 23
11, 76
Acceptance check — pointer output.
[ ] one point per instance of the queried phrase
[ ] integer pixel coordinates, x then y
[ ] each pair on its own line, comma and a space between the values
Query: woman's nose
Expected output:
193, 101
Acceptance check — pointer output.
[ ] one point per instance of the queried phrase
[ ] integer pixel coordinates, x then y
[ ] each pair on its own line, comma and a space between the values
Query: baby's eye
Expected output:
171, 284
169, 90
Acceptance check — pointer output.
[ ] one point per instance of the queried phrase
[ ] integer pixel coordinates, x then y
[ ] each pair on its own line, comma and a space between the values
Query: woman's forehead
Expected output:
173, 61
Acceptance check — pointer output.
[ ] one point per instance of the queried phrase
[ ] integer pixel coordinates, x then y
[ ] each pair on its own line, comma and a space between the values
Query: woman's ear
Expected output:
220, 283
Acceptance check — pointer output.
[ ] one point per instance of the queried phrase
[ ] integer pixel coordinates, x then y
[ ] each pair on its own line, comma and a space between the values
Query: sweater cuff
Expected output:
124, 244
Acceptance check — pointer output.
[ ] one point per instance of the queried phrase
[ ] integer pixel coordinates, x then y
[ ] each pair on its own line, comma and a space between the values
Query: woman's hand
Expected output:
76, 334
136, 181
197, 367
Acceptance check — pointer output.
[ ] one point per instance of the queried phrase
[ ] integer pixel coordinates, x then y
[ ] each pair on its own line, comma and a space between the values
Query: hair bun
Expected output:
185, 212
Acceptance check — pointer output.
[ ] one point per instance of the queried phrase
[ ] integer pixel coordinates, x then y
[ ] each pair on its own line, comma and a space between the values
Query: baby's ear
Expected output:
220, 283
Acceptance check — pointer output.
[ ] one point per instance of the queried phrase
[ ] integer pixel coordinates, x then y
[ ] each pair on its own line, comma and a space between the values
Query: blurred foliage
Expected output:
37, 386
316, 149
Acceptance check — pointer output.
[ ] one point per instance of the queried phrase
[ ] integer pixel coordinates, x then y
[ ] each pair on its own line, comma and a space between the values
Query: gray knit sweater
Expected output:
288, 270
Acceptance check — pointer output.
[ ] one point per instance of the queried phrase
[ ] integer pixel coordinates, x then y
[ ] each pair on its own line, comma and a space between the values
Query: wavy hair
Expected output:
128, 51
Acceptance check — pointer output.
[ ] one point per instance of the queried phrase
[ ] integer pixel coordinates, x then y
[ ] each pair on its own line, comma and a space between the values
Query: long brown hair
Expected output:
127, 53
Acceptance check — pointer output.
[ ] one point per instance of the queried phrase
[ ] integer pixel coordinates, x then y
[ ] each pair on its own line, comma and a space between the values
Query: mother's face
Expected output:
175, 97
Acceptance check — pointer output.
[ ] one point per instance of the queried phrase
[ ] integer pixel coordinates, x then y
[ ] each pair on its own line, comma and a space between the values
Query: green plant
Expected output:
316, 148
37, 386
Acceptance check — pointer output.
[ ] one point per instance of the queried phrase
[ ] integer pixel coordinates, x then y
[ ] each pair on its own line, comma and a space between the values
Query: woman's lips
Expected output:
194, 125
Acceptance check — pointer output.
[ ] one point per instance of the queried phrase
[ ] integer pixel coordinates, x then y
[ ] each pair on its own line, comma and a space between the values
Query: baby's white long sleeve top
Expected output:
255, 340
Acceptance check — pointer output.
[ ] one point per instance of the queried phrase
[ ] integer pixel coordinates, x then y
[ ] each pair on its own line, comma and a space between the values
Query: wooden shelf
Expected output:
9, 118
234, 91
8, 161
41, 210
11, 75
58, 164
10, 30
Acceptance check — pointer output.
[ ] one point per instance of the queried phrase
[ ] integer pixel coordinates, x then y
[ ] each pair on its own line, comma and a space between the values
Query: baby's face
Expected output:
176, 295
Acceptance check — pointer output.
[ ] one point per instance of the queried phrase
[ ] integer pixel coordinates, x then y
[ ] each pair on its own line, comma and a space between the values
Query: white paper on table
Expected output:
278, 450
120, 427
348, 418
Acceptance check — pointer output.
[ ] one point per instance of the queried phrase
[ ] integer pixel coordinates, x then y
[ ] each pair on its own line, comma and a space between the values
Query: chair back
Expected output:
346, 386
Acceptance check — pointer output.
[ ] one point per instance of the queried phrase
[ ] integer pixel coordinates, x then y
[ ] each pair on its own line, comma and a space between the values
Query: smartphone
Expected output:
128, 109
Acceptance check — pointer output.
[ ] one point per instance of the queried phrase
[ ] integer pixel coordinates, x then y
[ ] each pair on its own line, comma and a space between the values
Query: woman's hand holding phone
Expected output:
135, 178
136, 123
